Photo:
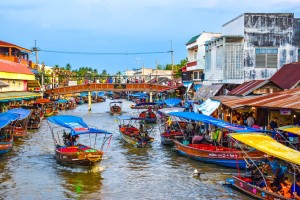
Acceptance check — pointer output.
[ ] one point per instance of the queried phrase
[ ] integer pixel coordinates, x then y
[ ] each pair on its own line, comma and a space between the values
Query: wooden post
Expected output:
150, 97
89, 101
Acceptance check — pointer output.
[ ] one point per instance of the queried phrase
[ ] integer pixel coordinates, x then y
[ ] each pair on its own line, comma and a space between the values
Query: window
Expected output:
195, 55
197, 75
266, 57
298, 55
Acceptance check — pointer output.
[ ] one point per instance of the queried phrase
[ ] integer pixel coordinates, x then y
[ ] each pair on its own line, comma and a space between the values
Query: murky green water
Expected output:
31, 172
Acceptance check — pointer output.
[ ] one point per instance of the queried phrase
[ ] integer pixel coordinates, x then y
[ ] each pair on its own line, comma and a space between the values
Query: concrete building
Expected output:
253, 46
149, 73
193, 72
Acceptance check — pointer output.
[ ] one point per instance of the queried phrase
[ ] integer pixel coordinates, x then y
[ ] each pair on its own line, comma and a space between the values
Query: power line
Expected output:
105, 53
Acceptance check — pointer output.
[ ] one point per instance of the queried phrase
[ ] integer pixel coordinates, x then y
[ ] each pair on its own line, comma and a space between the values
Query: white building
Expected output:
253, 46
196, 58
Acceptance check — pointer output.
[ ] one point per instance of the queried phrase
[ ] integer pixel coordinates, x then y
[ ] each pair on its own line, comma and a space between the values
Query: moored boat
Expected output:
6, 132
216, 150
35, 119
68, 150
148, 115
247, 183
21, 124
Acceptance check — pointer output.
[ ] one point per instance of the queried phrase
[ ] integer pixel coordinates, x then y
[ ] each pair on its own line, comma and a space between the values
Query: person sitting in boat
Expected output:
277, 169
285, 188
75, 140
115, 108
198, 139
168, 131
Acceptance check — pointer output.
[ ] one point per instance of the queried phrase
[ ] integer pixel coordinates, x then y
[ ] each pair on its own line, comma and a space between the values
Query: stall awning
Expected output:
33, 84
207, 91
208, 107
17, 95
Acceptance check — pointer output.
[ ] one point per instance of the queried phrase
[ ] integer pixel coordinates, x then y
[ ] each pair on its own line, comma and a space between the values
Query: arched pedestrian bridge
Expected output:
117, 87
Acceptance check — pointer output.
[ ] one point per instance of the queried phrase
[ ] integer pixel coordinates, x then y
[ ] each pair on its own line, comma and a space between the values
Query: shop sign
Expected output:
285, 112
119, 86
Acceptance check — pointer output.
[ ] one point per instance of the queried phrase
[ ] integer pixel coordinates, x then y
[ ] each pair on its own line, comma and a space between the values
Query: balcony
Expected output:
15, 59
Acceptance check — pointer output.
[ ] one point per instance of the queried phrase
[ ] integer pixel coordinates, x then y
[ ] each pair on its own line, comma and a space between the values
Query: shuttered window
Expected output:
266, 58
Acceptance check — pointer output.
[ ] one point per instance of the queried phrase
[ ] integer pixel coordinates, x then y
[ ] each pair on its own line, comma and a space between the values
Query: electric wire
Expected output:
105, 53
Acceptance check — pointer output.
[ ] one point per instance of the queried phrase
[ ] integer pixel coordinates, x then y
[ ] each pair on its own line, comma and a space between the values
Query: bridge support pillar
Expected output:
150, 94
89, 101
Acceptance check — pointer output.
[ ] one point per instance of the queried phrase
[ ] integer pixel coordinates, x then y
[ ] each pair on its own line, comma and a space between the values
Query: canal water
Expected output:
31, 172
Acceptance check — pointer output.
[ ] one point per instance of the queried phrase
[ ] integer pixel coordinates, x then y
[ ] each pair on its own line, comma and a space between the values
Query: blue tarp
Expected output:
213, 121
146, 104
22, 113
83, 94
172, 102
101, 94
62, 101
7, 118
135, 118
75, 124
110, 93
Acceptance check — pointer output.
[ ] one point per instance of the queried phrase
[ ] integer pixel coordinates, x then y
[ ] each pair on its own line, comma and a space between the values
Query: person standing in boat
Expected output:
277, 170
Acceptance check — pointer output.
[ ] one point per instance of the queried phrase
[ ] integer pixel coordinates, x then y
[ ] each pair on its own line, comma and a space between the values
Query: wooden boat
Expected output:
170, 129
67, 150
215, 152
62, 104
35, 119
21, 124
47, 106
131, 134
115, 107
146, 106
267, 145
79, 101
6, 132
149, 115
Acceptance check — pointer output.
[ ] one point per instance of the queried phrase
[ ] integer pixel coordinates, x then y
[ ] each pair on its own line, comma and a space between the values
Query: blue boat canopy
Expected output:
7, 118
146, 104
22, 113
213, 121
172, 101
75, 124
83, 94
62, 101
136, 118
101, 94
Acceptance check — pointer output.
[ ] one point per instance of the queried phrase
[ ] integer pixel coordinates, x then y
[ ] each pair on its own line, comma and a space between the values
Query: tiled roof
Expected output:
193, 39
7, 44
13, 67
247, 87
288, 76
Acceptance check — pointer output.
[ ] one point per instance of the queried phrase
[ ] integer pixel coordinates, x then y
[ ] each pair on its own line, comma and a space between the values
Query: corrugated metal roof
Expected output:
287, 99
288, 76
207, 91
13, 67
248, 87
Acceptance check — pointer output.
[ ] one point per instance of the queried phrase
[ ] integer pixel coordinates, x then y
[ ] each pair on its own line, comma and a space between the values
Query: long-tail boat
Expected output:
132, 134
115, 107
71, 152
47, 106
171, 128
6, 132
148, 115
62, 104
35, 119
248, 183
21, 124
219, 150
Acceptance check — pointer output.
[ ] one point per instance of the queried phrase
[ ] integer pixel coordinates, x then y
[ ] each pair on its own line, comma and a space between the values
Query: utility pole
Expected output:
43, 69
172, 59
35, 49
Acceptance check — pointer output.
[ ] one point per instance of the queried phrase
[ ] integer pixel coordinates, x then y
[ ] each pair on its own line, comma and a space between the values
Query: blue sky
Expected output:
120, 26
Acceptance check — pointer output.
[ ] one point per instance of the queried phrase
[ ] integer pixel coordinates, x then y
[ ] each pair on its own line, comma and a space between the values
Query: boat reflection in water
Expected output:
81, 183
